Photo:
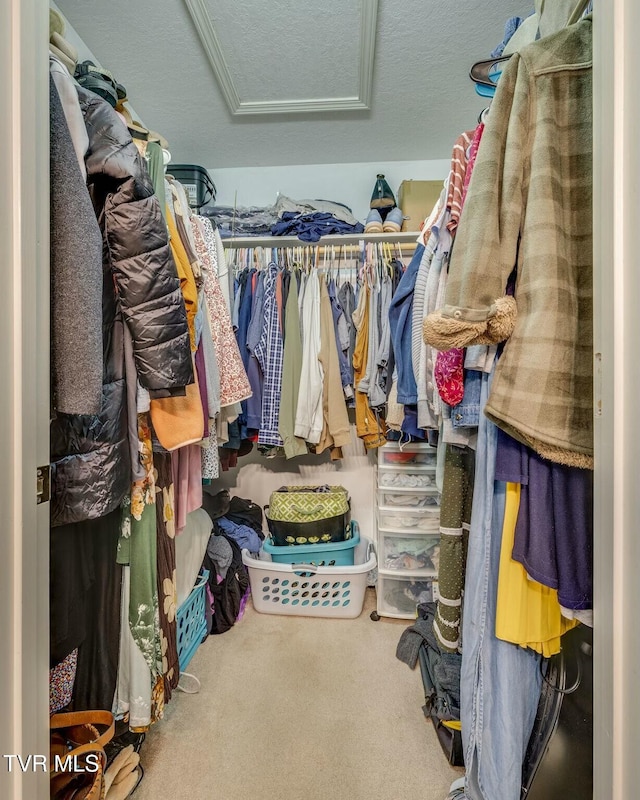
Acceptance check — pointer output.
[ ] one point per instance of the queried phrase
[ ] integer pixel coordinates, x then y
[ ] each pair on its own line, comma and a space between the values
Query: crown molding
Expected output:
211, 44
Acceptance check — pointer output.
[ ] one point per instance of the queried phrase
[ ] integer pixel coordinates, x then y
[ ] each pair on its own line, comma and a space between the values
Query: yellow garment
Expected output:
185, 274
179, 421
335, 430
528, 613
369, 427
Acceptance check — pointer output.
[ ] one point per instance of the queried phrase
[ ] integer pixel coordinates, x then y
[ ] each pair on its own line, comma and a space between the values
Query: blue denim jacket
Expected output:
467, 413
400, 313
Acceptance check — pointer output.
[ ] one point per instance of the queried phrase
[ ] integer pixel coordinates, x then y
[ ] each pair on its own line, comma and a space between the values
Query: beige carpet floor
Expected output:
292, 708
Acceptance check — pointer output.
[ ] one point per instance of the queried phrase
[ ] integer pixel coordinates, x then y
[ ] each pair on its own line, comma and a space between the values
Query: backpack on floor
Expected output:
246, 512
441, 679
228, 595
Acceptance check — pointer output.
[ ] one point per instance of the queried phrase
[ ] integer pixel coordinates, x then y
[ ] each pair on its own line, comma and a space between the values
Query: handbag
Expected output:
77, 758
309, 515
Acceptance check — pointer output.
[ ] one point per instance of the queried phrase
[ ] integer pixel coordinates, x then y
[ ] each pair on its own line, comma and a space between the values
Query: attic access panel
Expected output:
280, 58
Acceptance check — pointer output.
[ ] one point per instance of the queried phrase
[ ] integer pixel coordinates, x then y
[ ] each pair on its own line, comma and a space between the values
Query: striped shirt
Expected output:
456, 179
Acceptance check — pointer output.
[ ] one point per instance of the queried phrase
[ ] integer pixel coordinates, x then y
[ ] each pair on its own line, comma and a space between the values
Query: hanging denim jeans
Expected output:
500, 682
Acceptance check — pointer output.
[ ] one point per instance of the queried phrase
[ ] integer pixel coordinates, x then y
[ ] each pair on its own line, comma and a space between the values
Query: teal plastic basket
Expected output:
323, 554
191, 621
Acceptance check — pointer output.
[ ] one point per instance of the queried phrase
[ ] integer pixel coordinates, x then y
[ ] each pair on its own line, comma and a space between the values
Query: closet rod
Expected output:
352, 239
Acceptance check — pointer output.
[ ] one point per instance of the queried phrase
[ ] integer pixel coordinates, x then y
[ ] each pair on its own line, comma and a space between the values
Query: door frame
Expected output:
24, 395
617, 394
24, 392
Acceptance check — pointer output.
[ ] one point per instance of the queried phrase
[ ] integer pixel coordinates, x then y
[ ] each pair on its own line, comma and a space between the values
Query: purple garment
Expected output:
201, 371
554, 530
254, 372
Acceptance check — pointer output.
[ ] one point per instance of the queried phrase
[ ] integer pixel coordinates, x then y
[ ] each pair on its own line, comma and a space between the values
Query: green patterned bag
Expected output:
308, 514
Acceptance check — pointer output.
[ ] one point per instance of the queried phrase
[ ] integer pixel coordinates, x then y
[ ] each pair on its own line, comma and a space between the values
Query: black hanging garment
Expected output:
559, 759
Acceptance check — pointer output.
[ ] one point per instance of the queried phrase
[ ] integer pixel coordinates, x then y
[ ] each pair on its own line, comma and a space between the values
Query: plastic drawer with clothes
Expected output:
407, 519
406, 497
416, 552
392, 454
414, 476
399, 595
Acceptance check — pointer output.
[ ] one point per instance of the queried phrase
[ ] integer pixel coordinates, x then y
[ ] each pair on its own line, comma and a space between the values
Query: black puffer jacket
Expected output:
91, 469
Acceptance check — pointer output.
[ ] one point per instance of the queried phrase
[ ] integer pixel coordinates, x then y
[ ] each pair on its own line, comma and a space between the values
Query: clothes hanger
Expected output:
487, 73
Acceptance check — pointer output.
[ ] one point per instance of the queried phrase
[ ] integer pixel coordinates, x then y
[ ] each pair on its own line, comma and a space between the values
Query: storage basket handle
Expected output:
211, 188
307, 512
300, 568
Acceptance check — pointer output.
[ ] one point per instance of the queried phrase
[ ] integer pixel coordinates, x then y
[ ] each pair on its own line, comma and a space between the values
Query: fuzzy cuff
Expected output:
444, 332
559, 455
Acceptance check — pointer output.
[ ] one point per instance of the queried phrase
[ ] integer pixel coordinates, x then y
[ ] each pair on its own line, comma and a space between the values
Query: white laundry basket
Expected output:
305, 590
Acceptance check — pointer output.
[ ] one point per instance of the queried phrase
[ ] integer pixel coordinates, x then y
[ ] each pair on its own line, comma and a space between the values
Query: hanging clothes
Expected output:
291, 372
269, 353
527, 612
369, 426
140, 644
543, 106
76, 274
254, 372
166, 580
309, 411
400, 313
336, 432
455, 518
91, 472
234, 384
497, 712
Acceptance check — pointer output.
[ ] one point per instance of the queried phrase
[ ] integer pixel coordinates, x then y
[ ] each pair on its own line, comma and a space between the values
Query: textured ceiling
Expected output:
274, 54
295, 49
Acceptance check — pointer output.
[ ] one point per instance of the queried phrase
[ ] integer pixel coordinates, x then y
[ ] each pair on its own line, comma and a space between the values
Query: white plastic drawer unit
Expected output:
411, 553
398, 595
409, 497
409, 520
409, 477
413, 453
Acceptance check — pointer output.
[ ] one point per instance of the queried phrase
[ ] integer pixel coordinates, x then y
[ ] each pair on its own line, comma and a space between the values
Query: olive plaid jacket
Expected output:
529, 206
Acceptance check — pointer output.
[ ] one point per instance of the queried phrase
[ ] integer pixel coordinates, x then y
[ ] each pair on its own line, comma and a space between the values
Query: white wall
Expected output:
351, 184
256, 477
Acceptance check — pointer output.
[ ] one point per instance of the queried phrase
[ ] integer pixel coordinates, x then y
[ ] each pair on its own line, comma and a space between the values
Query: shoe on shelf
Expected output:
393, 221
374, 222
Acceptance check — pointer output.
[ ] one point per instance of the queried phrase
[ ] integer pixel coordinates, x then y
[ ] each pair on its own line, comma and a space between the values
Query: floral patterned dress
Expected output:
140, 640
166, 572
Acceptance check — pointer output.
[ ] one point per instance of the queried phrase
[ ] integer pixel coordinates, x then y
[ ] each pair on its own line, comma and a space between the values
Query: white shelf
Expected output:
402, 237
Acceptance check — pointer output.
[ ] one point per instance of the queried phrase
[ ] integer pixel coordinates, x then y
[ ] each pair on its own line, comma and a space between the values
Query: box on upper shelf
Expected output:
416, 199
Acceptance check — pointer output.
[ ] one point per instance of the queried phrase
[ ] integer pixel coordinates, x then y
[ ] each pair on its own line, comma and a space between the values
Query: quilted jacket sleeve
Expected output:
137, 246
485, 252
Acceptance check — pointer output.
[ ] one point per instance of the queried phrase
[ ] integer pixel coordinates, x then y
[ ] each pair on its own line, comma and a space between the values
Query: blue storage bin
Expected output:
191, 621
323, 554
